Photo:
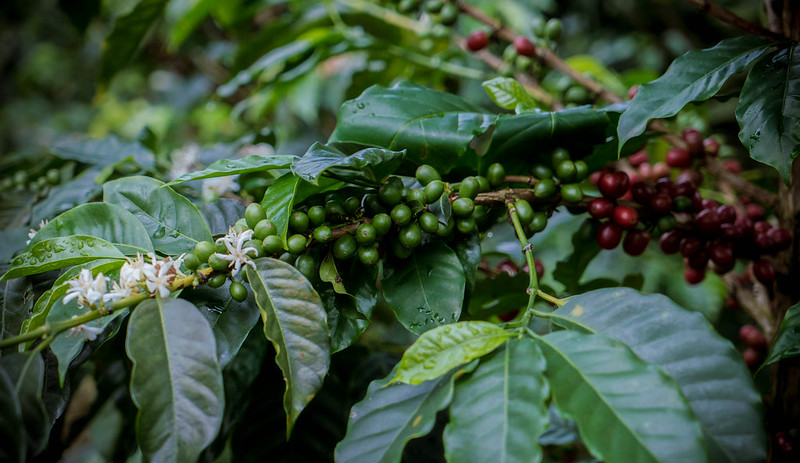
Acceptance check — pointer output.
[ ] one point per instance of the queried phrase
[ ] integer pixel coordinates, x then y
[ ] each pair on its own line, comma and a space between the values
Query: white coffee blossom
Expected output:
86, 289
89, 332
159, 275
237, 253
32, 232
184, 160
218, 186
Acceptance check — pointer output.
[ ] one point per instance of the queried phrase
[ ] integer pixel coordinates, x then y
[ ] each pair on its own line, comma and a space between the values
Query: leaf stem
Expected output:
527, 250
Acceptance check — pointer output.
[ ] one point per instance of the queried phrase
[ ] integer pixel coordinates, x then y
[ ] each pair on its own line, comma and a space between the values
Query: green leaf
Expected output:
245, 165
444, 131
184, 17
230, 320
697, 75
625, 409
15, 302
173, 223
427, 289
296, 324
769, 110
129, 30
101, 220
366, 166
26, 372
221, 214
104, 152
62, 197
443, 348
500, 409
709, 370
507, 93
349, 313
469, 254
176, 382
569, 271
12, 437
787, 342
329, 274
591, 66
281, 196
60, 252
391, 415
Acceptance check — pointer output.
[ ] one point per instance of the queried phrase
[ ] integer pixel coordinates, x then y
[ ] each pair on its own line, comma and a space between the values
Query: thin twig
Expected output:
741, 185
726, 15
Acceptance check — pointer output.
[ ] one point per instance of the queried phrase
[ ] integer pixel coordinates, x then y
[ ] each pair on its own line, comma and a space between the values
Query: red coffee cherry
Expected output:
711, 146
764, 272
707, 222
613, 185
524, 46
642, 192
694, 142
752, 337
693, 276
636, 242
726, 214
600, 208
670, 242
626, 217
690, 246
632, 92
677, 157
751, 357
781, 238
661, 203
638, 158
609, 235
477, 40
755, 211
722, 256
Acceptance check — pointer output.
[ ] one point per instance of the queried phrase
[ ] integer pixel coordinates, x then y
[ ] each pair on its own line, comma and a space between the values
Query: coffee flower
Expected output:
89, 332
237, 253
86, 289
160, 274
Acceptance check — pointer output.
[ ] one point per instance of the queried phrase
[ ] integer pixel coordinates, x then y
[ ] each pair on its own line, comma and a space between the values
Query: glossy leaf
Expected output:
787, 342
230, 320
439, 350
390, 416
245, 165
281, 196
173, 223
769, 110
104, 152
507, 93
68, 195
569, 271
710, 372
625, 409
365, 166
185, 16
427, 289
176, 382
296, 324
60, 252
349, 312
12, 436
694, 76
129, 30
500, 409
101, 220
221, 213
469, 254
15, 302
26, 371
443, 130
344, 330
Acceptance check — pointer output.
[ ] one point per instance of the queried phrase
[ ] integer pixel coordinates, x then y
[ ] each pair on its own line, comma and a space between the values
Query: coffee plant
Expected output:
383, 231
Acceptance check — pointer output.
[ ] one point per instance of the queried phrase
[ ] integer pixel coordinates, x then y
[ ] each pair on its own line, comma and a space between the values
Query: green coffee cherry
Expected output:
345, 247
410, 236
565, 170
334, 211
401, 215
368, 255
254, 214
273, 244
666, 223
264, 228
444, 230
203, 250
433, 6
191, 261
544, 189
542, 172
449, 14
483, 184
496, 174
416, 195
373, 204
299, 221
391, 192
466, 225
287, 257
552, 30
463, 207
401, 251
217, 280
221, 248
481, 214
306, 265
577, 95
296, 244
257, 245
240, 225
433, 191
426, 174
524, 211
351, 205
322, 234
469, 188
366, 234
382, 223
53, 176
559, 154
218, 263
571, 193
538, 26
238, 291
538, 222
316, 215
428, 222
581, 170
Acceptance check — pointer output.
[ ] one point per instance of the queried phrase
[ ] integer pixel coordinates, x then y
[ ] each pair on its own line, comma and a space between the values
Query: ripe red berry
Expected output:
609, 235
665, 185
670, 242
524, 46
721, 255
699, 260
694, 142
477, 40
755, 211
638, 158
694, 276
764, 272
761, 227
508, 316
726, 214
642, 192
751, 357
613, 185
732, 165
626, 217
636, 242
690, 174
677, 157
600, 208
752, 337
711, 146
632, 92
781, 238
690, 246
508, 266
661, 203
707, 222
